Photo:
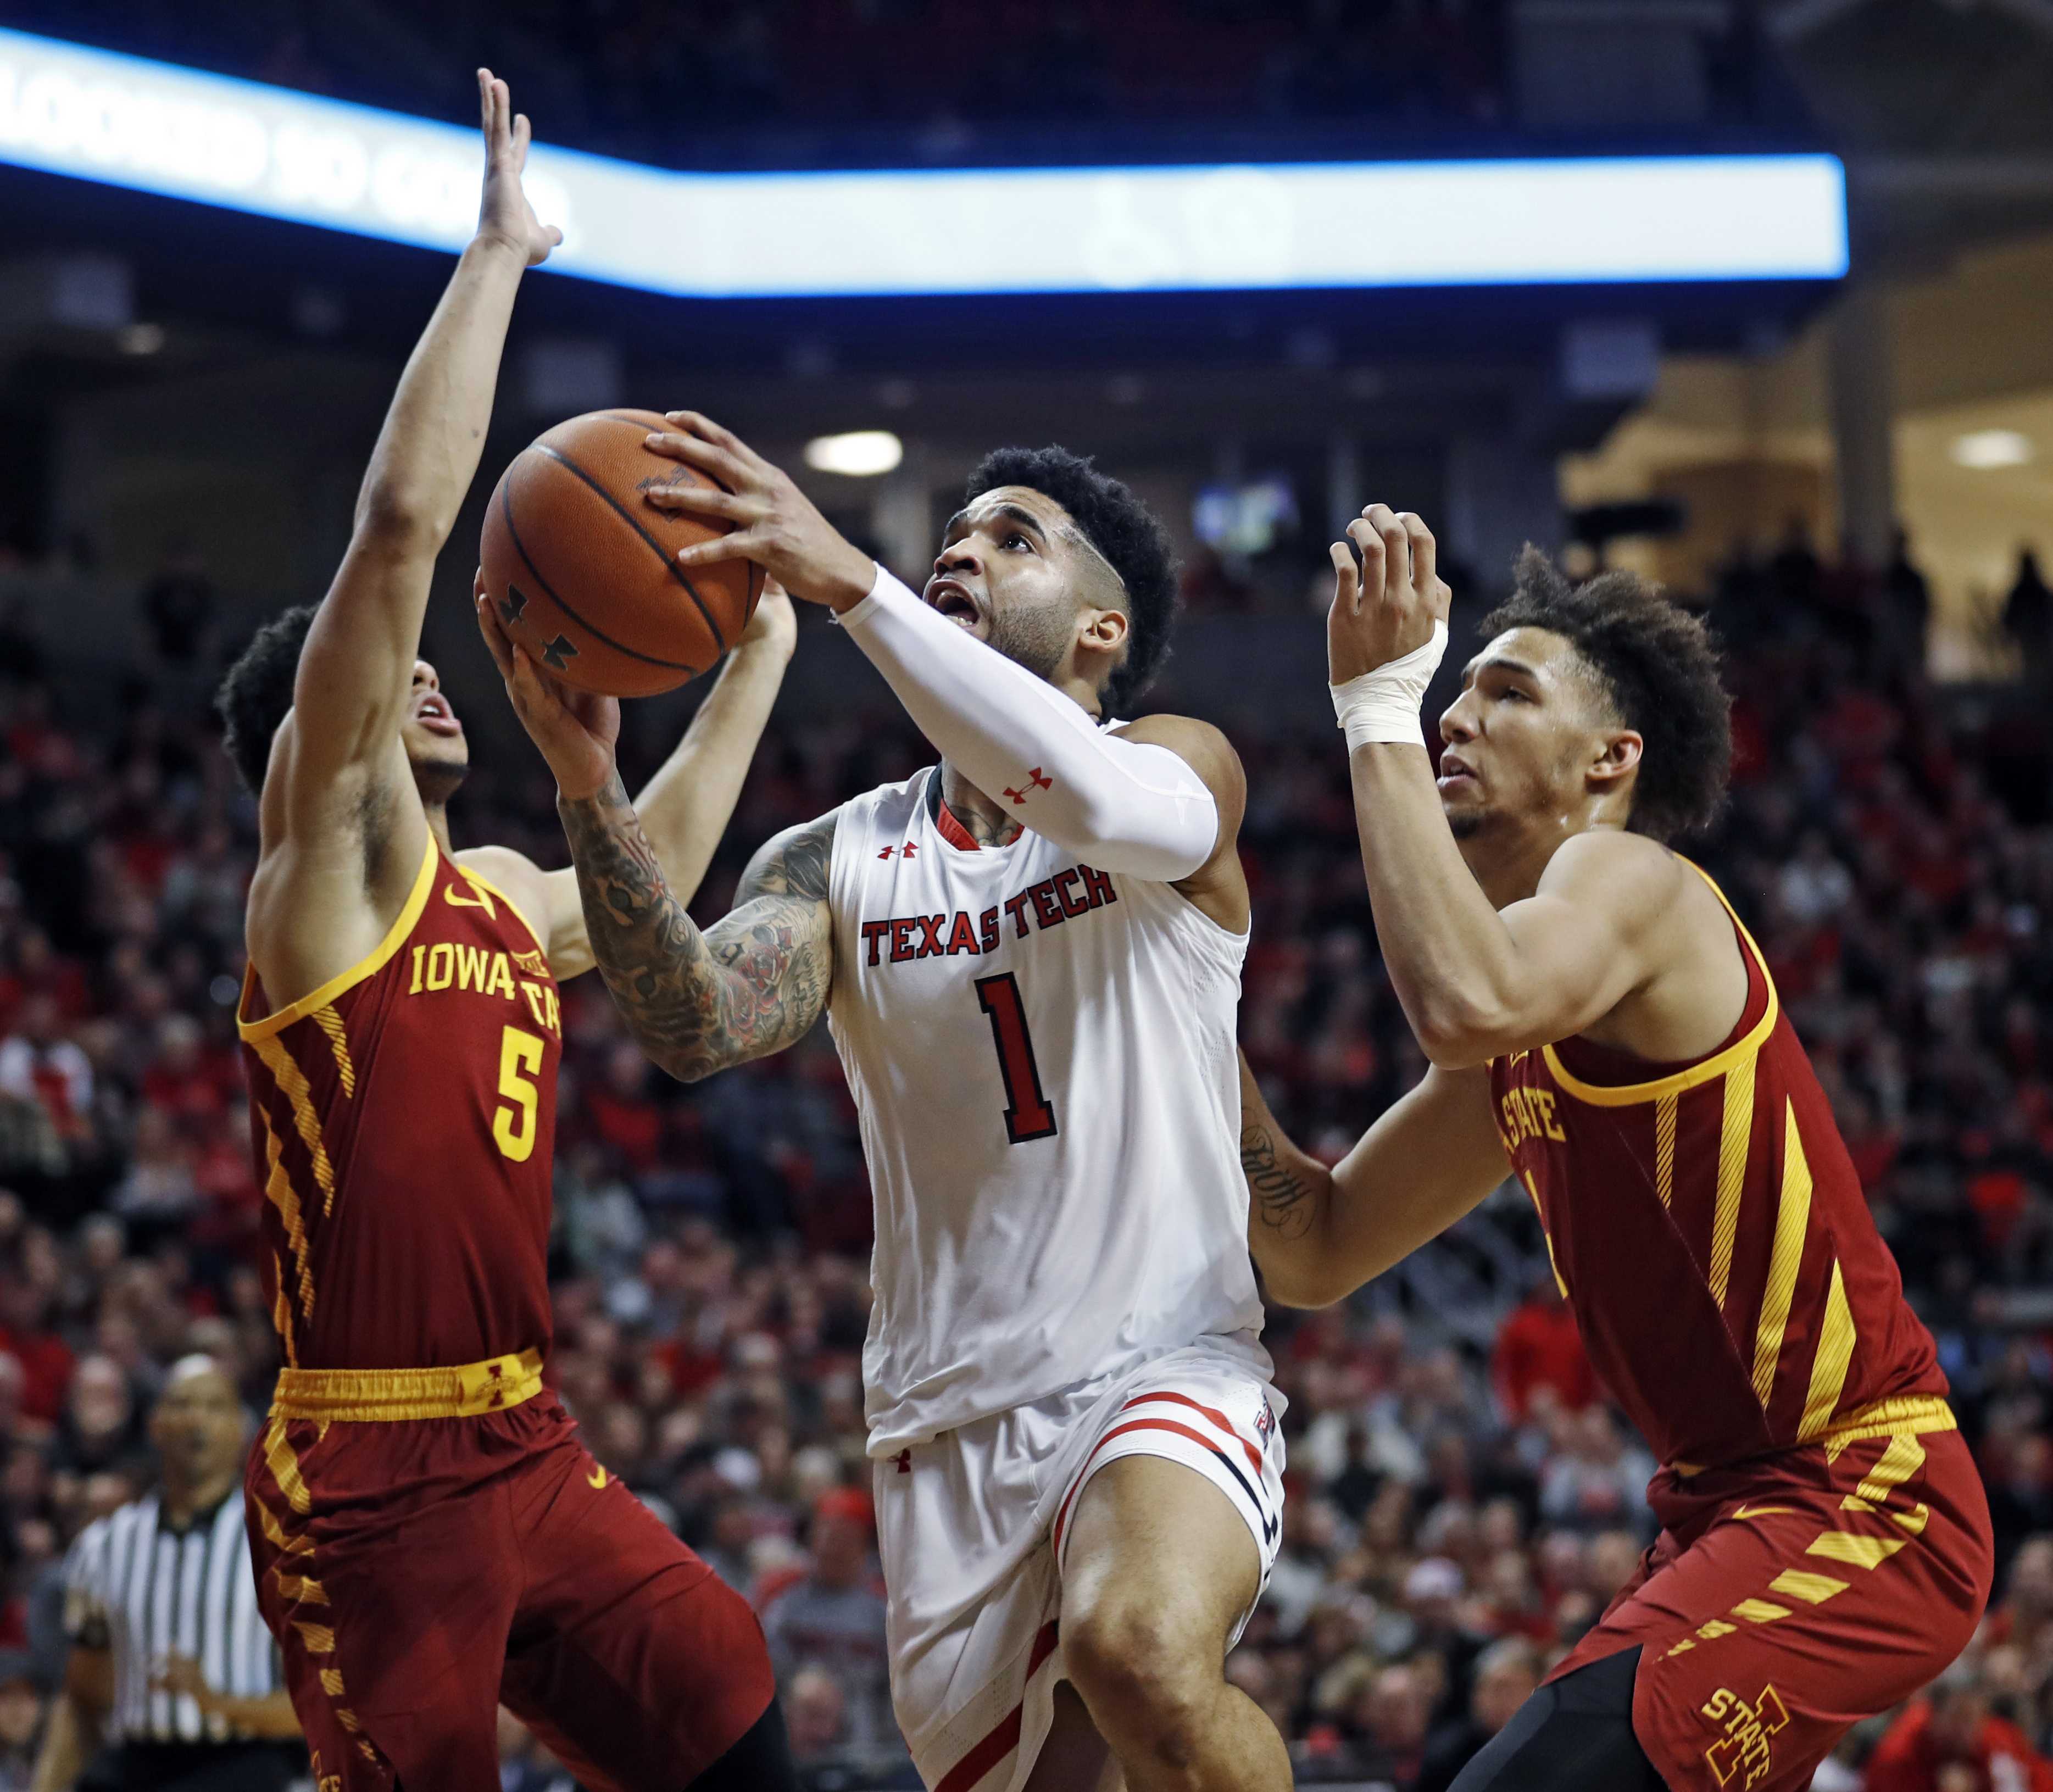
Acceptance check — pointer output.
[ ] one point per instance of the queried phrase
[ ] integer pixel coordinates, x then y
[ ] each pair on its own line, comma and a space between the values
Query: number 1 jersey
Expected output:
403, 1120
1041, 1055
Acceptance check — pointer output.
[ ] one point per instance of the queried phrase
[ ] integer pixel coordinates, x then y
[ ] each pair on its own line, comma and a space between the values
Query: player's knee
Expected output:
1146, 1676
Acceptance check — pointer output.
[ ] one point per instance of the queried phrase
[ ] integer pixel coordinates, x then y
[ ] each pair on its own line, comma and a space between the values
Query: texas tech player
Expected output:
1029, 956
430, 1539
1596, 1015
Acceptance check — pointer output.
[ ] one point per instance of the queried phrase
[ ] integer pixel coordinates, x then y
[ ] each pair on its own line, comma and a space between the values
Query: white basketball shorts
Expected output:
972, 1527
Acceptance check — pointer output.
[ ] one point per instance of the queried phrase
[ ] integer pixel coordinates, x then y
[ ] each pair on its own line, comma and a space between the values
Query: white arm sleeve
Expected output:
1125, 805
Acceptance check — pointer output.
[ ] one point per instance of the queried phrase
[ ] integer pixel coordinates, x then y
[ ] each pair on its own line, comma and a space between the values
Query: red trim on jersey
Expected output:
1211, 1413
1004, 1735
951, 830
1077, 1487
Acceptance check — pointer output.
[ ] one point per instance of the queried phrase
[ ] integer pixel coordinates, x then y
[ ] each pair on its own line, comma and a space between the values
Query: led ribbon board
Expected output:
158, 128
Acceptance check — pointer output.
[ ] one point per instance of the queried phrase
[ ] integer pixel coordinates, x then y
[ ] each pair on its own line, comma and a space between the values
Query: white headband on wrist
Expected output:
1383, 705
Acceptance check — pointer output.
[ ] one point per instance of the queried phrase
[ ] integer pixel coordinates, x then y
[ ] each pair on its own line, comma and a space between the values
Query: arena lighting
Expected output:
133, 123
861, 453
1985, 450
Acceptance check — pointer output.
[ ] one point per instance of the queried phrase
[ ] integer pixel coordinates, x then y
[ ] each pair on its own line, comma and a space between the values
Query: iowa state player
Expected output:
1593, 1009
1029, 956
429, 1536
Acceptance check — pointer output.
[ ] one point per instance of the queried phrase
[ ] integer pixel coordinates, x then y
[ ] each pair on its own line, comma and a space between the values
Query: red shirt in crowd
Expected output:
1910, 1757
1539, 1347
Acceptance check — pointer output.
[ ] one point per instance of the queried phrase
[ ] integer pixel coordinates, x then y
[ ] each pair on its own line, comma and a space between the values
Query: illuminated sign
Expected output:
157, 128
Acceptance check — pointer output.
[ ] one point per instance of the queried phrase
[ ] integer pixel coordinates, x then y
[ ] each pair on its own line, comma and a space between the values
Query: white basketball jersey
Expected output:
1042, 1056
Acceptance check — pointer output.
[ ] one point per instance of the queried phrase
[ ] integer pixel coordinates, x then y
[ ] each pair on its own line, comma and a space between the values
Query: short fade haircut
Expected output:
1121, 528
256, 693
1658, 668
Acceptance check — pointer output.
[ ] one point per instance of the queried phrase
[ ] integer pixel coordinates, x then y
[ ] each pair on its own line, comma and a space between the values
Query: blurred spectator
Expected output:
831, 1617
1949, 1741
22, 1709
2027, 615
1506, 1676
815, 1714
1389, 1722
178, 603
40, 1063
1539, 1352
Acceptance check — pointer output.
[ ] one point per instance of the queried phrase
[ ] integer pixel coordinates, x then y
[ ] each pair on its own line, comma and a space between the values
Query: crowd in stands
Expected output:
1457, 1515
699, 83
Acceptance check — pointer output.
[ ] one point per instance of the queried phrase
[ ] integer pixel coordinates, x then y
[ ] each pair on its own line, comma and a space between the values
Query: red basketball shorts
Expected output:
1789, 1597
417, 1572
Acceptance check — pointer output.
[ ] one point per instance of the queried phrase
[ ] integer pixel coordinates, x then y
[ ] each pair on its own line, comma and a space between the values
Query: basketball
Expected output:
585, 574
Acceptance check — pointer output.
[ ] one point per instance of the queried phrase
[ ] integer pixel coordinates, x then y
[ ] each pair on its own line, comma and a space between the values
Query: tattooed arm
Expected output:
1318, 1235
699, 1002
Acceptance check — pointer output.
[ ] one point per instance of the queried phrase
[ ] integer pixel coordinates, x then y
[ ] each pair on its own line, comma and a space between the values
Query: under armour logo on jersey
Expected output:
1034, 782
904, 1462
909, 849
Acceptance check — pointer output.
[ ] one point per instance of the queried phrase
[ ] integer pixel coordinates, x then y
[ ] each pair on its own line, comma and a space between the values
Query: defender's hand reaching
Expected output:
504, 215
775, 524
577, 731
1387, 607
774, 627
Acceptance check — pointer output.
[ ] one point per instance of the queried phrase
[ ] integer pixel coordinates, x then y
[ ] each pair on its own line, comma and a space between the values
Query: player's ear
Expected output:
1617, 759
1102, 631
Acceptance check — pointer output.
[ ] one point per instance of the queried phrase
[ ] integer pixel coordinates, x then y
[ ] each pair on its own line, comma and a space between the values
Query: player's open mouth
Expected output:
435, 715
1454, 771
954, 601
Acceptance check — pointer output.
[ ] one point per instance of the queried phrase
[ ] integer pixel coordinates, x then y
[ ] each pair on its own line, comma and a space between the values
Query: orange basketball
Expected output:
585, 574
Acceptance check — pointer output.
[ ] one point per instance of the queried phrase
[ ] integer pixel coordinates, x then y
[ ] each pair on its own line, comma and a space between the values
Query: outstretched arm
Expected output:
1476, 982
697, 1001
343, 757
1318, 1235
685, 807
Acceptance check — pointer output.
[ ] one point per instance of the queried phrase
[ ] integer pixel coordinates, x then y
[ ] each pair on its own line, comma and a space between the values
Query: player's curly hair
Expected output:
1657, 665
1120, 527
256, 693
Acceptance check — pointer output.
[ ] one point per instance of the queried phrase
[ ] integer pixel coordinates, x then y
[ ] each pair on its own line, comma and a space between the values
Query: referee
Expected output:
171, 1667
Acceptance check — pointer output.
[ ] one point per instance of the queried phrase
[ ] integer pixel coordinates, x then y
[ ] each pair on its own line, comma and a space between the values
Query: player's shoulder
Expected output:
514, 871
1201, 745
1622, 865
797, 862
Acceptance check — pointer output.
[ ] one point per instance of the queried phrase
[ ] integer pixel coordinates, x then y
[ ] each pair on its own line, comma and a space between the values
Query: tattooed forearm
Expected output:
699, 1002
1282, 1198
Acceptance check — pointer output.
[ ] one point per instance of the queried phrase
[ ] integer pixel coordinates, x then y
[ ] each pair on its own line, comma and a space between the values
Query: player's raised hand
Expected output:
775, 525
774, 627
1386, 606
504, 215
577, 731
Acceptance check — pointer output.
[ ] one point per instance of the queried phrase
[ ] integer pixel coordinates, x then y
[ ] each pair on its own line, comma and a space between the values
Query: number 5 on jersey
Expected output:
513, 1124
1028, 1112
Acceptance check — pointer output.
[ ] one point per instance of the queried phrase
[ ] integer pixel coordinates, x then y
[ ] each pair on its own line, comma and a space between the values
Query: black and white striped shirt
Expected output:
135, 1586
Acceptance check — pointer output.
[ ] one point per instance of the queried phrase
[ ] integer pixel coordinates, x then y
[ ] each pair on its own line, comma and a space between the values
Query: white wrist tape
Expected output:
1384, 705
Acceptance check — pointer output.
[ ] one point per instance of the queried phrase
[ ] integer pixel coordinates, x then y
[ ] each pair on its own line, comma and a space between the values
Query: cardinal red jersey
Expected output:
403, 1120
1710, 1232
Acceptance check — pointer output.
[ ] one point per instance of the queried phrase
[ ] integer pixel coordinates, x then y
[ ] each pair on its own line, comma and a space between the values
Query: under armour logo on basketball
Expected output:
560, 651
516, 601
1034, 782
